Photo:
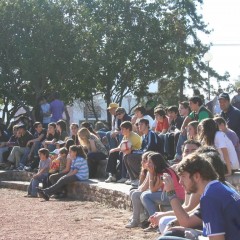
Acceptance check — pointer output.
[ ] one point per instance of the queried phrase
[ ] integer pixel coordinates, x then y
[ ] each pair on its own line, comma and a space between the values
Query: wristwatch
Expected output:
172, 224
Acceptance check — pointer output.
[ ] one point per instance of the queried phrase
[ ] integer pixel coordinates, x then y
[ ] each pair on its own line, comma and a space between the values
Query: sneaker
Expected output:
42, 194
28, 169
128, 182
150, 229
144, 224
122, 180
135, 182
111, 179
132, 224
20, 168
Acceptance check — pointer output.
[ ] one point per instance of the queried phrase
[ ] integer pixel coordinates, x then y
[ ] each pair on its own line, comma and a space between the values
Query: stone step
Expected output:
112, 194
18, 185
15, 175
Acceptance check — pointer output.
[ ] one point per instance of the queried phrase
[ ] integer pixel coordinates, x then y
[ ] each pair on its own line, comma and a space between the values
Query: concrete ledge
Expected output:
112, 194
18, 185
115, 195
15, 175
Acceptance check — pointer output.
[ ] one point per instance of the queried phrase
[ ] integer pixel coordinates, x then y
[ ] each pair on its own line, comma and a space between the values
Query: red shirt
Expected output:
162, 125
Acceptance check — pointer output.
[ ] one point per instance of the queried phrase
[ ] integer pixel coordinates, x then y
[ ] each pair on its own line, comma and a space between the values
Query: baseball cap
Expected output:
224, 96
113, 105
60, 142
21, 125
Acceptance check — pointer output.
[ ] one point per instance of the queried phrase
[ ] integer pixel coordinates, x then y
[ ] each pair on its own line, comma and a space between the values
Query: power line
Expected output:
226, 44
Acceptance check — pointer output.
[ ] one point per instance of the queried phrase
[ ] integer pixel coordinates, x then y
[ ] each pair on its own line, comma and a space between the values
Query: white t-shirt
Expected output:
149, 118
46, 109
222, 141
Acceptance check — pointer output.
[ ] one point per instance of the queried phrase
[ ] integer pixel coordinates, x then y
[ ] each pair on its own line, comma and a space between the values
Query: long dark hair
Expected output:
160, 164
79, 150
207, 130
62, 125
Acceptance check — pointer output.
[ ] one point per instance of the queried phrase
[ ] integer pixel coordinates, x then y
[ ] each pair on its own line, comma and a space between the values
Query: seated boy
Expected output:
42, 173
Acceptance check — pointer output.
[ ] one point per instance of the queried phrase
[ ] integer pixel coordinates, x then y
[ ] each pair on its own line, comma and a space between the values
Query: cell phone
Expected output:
161, 177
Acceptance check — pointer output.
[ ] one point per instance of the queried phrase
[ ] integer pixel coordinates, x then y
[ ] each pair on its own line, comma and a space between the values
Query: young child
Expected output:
79, 171
42, 173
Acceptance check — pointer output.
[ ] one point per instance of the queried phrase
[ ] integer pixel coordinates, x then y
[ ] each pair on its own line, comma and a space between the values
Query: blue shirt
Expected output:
220, 209
81, 165
232, 118
57, 109
45, 164
151, 142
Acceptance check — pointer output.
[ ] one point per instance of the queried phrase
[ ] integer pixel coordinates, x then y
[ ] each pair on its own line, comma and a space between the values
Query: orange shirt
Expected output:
162, 125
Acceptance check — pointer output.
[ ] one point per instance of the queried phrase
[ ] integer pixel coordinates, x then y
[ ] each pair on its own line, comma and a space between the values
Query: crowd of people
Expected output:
174, 157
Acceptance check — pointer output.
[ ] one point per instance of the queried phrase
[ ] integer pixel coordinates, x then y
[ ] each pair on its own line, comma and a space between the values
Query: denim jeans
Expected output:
93, 159
181, 140
151, 200
138, 208
62, 182
34, 183
2, 150
171, 238
24, 157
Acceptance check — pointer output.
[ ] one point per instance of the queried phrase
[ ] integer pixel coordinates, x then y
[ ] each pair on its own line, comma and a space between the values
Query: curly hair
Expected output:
196, 163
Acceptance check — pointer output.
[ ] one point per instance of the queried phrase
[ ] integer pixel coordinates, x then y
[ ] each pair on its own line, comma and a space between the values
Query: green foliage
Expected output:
84, 47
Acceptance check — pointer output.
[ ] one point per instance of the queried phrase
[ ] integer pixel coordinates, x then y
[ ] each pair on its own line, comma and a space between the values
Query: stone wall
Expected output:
89, 191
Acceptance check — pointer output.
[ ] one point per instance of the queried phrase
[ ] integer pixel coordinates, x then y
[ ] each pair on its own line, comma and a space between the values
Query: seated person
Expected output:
52, 137
74, 129
217, 213
53, 155
61, 127
20, 152
222, 125
115, 137
171, 136
42, 173
150, 193
191, 201
64, 168
161, 119
139, 113
150, 142
6, 147
35, 143
117, 153
79, 172
95, 149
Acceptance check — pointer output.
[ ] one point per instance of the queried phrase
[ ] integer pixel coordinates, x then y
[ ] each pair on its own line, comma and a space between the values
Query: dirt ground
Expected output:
33, 218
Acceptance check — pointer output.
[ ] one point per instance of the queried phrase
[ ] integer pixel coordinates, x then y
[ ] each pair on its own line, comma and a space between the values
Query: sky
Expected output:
223, 17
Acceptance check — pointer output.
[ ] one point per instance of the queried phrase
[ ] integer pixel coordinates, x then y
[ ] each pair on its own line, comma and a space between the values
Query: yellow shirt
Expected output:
135, 140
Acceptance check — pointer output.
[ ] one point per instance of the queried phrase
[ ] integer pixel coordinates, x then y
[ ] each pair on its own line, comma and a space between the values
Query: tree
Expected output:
187, 51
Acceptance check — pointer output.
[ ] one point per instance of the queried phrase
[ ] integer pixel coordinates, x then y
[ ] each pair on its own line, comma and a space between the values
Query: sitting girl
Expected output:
78, 172
150, 193
96, 151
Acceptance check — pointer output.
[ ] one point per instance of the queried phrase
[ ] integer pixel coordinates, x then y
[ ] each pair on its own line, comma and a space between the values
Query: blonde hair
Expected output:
83, 136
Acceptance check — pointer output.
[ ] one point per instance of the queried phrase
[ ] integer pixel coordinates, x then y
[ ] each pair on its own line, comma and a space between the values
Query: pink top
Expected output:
177, 186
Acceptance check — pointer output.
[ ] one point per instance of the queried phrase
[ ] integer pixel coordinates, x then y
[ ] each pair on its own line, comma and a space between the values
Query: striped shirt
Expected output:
81, 165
